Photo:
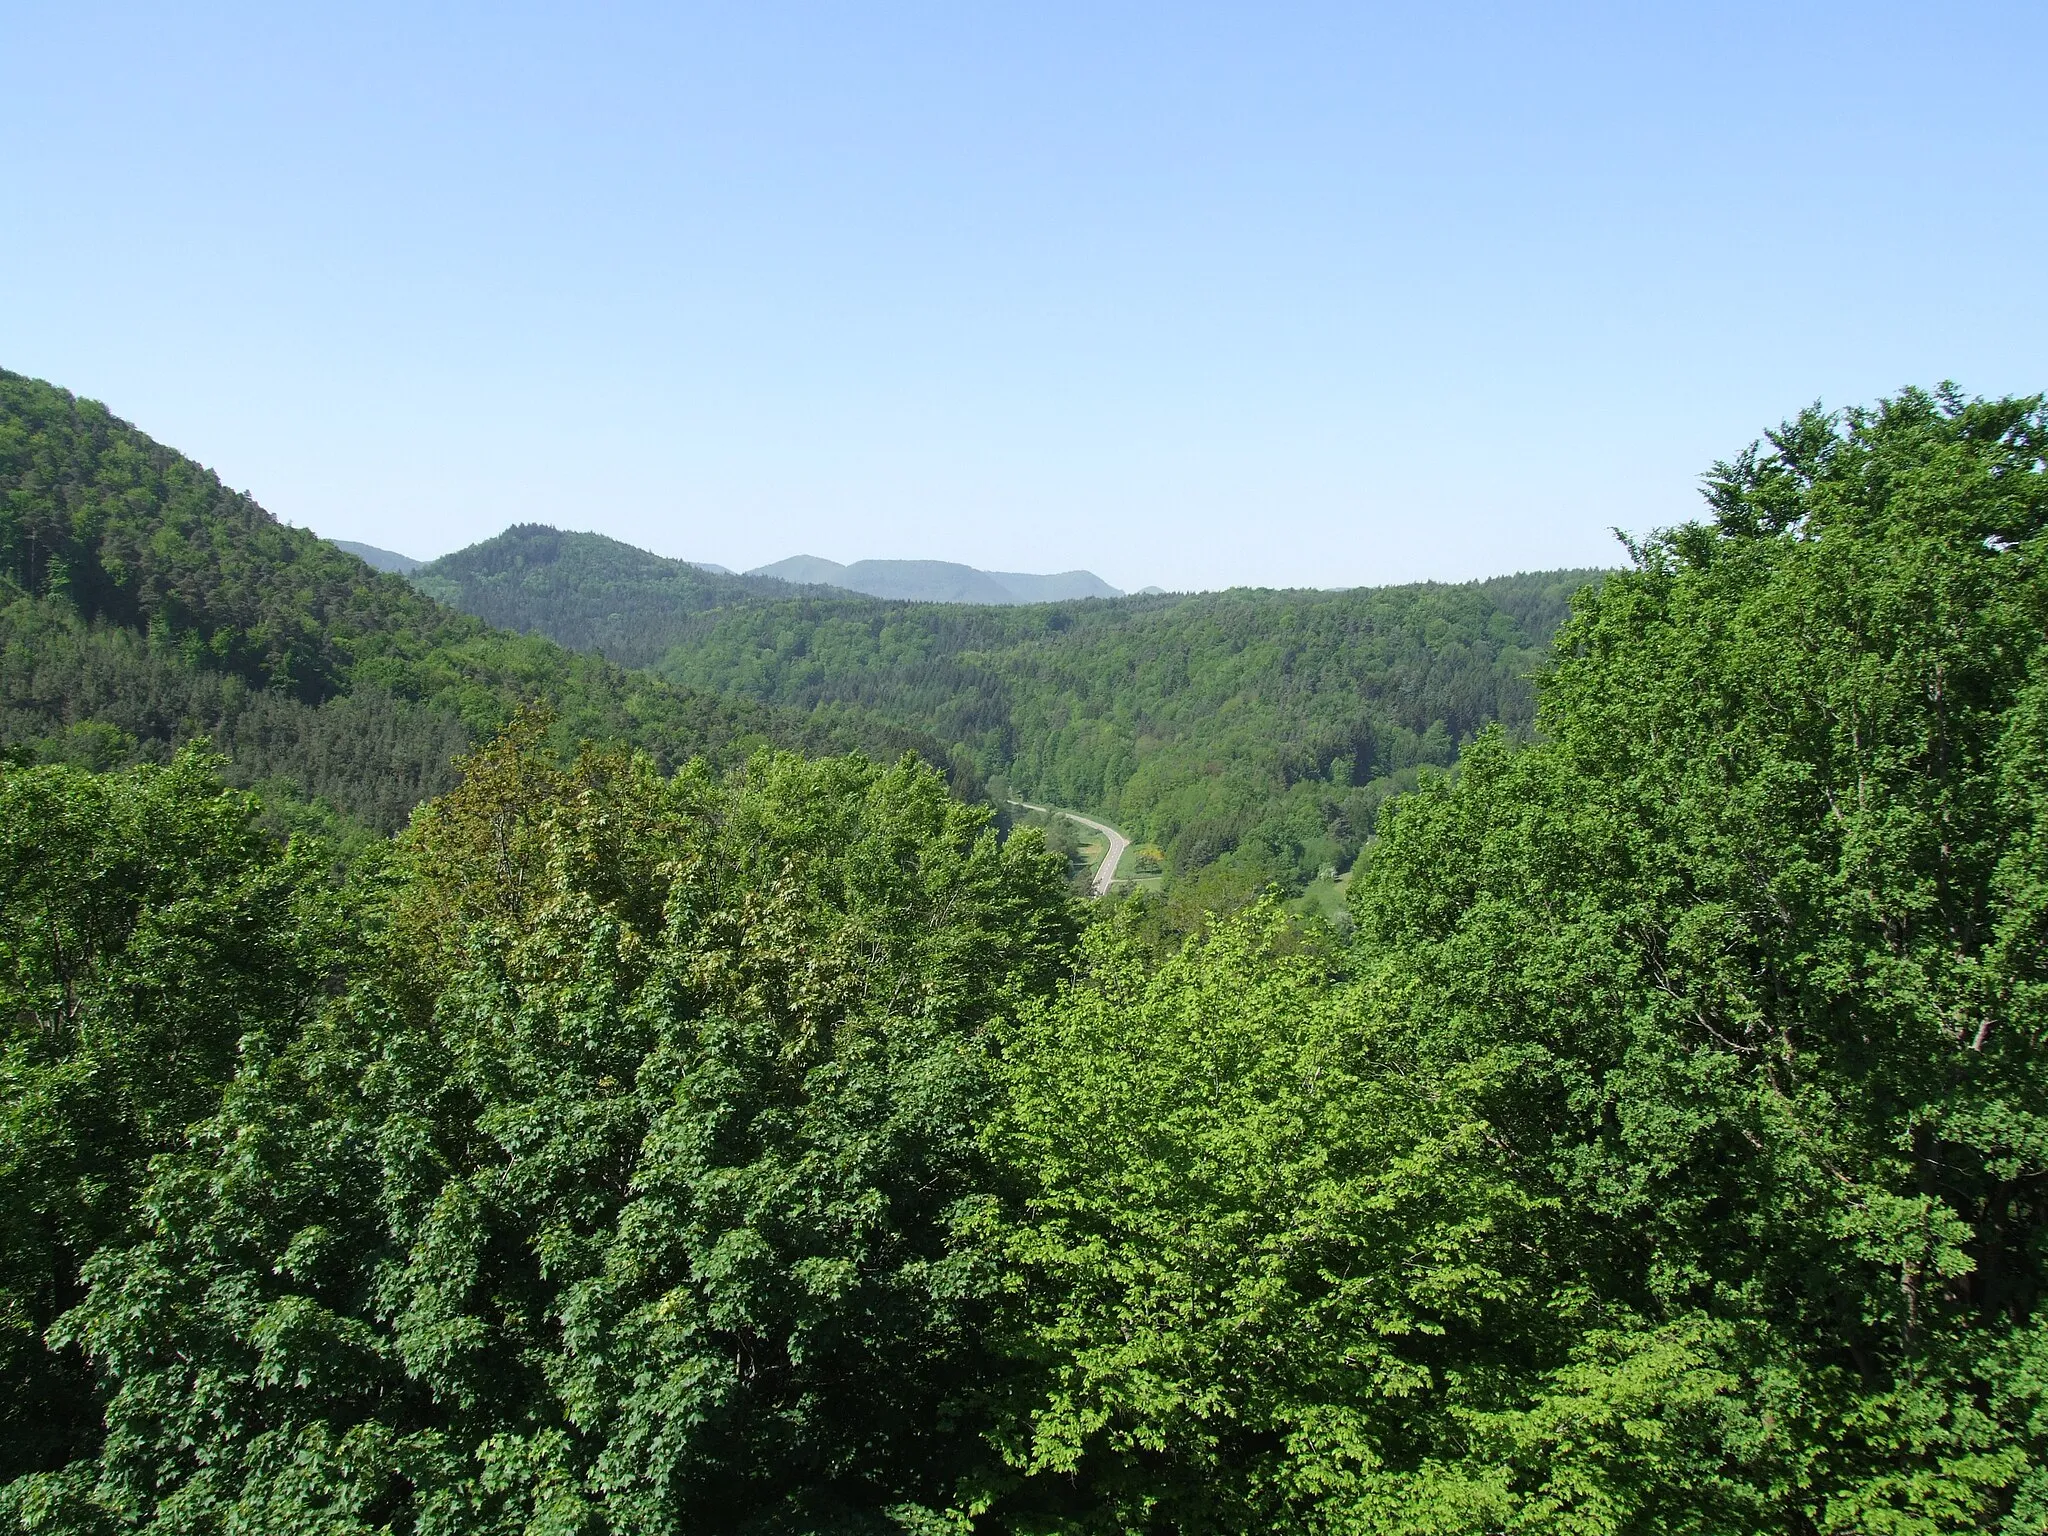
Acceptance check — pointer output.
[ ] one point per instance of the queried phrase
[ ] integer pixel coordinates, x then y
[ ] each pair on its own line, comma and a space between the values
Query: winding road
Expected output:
1105, 872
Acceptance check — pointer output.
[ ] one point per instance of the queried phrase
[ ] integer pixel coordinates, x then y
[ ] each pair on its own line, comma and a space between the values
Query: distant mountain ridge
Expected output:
1256, 731
593, 593
379, 559
937, 581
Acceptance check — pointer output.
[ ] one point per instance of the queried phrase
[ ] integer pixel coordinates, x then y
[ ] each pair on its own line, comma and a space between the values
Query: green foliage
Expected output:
625, 1187
1262, 729
97, 696
1257, 1233
147, 923
1681, 1126
584, 590
1664, 1149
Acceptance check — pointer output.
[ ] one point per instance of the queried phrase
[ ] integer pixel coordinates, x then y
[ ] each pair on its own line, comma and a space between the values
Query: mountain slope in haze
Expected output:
937, 581
593, 593
142, 602
379, 559
1060, 587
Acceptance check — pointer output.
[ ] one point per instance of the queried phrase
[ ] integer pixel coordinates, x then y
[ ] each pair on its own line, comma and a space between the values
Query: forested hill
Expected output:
1258, 731
587, 591
143, 602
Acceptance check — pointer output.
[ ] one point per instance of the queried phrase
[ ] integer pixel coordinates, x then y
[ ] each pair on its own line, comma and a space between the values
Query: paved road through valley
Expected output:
1105, 872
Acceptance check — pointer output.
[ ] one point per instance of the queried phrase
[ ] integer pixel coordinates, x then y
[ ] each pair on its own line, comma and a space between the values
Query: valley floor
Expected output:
1113, 849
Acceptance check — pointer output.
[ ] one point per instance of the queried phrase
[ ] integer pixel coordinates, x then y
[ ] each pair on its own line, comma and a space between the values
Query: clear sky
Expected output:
1201, 296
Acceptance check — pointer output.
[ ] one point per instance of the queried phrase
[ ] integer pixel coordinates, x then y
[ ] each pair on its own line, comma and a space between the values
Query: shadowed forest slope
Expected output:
586, 591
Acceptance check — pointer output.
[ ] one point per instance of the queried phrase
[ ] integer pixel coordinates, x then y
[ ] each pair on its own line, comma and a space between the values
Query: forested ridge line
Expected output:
143, 602
594, 593
1663, 1150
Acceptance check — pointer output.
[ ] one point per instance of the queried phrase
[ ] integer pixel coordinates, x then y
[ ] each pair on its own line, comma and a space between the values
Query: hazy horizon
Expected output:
1054, 570
1328, 297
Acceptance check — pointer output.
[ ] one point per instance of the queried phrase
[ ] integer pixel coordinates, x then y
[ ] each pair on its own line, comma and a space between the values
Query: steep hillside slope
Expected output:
142, 602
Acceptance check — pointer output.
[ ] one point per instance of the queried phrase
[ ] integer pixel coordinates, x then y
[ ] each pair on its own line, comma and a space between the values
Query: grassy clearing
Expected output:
1325, 898
1142, 868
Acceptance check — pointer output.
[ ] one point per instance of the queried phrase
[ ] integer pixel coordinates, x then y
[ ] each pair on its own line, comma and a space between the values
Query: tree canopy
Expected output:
1669, 1151
584, 590
1662, 1149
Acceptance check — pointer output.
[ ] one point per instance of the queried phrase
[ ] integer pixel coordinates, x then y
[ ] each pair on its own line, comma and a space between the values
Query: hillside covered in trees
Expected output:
143, 603
584, 590
1257, 731
1664, 1150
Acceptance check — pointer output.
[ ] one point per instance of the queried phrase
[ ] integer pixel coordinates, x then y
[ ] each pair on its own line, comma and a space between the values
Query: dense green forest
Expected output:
781, 1148
143, 603
1250, 734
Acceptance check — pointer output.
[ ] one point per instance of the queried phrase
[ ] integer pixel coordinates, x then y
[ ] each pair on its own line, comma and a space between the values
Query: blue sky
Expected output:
1200, 296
